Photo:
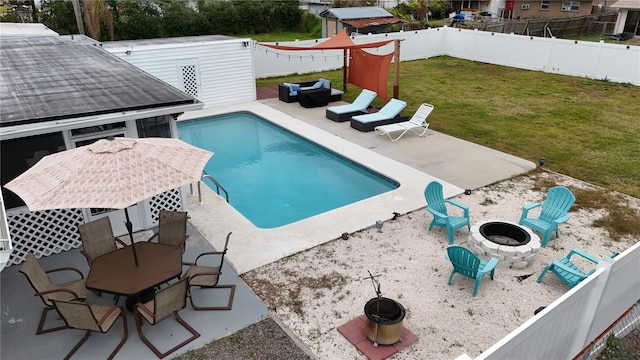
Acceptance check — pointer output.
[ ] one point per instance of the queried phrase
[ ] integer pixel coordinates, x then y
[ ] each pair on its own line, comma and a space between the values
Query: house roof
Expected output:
626, 4
356, 13
47, 78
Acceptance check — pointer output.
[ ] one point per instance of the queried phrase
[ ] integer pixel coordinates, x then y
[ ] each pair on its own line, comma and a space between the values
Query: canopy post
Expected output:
396, 78
344, 69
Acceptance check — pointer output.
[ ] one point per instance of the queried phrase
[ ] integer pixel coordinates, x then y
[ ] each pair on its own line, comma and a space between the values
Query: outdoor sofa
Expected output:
288, 92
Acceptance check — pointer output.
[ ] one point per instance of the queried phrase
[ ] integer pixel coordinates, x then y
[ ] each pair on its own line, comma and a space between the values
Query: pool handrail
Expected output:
214, 181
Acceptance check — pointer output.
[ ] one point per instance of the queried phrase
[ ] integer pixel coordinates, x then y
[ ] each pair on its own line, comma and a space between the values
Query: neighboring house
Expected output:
628, 17
215, 69
59, 93
362, 20
514, 9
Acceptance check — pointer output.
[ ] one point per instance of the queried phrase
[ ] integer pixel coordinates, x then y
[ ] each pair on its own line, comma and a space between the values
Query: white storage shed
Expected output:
215, 69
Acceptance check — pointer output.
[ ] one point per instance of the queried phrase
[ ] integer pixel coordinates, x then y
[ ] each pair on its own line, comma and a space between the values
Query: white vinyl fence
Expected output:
568, 325
593, 60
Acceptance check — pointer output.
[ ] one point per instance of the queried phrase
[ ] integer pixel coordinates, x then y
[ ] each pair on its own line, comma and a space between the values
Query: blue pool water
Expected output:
273, 176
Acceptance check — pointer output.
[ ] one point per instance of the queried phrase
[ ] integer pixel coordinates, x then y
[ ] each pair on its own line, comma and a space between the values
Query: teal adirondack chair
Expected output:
569, 272
437, 206
554, 212
466, 263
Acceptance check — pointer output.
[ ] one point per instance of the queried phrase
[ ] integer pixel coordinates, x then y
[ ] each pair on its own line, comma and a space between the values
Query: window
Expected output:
570, 6
20, 154
525, 4
159, 126
544, 4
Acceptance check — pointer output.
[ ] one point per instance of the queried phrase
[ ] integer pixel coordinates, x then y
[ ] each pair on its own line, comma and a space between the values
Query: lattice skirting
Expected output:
53, 231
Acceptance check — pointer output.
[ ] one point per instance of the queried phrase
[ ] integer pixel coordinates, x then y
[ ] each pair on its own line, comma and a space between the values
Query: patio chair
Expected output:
48, 291
569, 271
208, 277
388, 114
96, 318
466, 263
417, 124
437, 206
98, 239
172, 228
554, 211
167, 301
343, 113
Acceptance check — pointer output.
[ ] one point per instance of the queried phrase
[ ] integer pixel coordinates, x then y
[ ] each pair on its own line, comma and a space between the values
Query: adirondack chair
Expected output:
553, 212
567, 270
466, 263
437, 206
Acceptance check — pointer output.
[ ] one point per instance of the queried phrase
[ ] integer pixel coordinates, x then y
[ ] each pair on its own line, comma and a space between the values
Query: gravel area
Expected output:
264, 340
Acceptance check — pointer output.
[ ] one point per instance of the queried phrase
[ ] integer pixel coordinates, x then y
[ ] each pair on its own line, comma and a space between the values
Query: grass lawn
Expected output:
587, 129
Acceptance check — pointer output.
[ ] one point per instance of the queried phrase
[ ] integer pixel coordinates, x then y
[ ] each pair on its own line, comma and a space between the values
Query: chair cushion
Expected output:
318, 84
293, 88
325, 83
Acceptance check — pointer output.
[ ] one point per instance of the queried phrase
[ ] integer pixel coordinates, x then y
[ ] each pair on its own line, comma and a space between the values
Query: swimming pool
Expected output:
275, 177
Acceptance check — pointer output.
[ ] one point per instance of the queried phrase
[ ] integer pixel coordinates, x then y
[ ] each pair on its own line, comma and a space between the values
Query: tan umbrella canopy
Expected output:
110, 173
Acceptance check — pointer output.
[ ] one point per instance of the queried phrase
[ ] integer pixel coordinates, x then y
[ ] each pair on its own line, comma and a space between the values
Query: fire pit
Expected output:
515, 246
384, 317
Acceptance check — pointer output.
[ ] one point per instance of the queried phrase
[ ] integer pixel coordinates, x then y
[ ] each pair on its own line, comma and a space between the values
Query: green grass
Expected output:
587, 129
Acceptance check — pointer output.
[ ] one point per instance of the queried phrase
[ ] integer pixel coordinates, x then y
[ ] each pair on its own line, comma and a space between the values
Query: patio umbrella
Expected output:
110, 173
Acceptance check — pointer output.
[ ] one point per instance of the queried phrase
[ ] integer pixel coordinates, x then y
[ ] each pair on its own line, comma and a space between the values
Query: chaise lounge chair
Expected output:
418, 124
389, 114
359, 106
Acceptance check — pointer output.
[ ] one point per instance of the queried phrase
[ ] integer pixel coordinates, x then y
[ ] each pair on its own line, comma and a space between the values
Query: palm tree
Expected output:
94, 13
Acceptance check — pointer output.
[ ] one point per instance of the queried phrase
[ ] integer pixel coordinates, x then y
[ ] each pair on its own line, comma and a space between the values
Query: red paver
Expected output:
354, 332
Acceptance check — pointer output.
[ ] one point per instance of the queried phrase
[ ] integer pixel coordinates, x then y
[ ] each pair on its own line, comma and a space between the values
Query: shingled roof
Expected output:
52, 78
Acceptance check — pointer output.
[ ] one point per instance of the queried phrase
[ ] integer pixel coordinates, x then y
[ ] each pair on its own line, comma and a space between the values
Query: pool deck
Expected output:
412, 161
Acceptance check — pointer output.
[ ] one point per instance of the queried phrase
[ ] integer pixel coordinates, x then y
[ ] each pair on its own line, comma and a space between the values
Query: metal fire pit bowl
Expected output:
385, 318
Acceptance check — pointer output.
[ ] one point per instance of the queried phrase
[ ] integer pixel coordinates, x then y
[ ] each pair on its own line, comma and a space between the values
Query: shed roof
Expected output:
363, 23
356, 13
48, 78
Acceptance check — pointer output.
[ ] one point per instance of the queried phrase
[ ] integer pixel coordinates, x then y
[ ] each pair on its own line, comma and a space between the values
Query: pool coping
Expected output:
251, 247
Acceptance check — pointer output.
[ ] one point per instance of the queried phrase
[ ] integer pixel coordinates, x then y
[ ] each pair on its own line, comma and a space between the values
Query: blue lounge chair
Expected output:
567, 271
437, 206
466, 263
554, 212
343, 113
387, 115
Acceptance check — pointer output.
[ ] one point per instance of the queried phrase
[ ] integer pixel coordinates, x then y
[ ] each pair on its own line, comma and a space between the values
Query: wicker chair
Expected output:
98, 318
208, 277
167, 301
98, 239
49, 291
172, 228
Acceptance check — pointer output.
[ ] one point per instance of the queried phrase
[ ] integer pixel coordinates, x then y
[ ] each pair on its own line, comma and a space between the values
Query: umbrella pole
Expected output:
130, 229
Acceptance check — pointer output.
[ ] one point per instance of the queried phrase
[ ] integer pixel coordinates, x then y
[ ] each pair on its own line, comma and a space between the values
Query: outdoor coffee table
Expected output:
117, 273
314, 97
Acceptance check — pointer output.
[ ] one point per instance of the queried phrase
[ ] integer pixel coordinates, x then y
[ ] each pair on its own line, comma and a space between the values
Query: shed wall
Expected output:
224, 70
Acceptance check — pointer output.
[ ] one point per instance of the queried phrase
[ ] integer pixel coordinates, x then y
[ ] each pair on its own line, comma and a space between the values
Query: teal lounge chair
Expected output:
554, 211
343, 113
567, 271
437, 206
389, 114
466, 263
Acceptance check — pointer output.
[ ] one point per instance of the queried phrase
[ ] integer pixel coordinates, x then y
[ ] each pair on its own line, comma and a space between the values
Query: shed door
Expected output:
332, 27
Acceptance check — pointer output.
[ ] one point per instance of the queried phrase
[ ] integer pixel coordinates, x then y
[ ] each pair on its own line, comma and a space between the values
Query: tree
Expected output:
96, 13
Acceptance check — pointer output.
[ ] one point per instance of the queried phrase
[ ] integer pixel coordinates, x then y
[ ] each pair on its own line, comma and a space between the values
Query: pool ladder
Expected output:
219, 187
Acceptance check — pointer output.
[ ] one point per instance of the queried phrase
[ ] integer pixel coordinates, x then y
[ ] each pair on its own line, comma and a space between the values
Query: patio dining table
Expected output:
116, 272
